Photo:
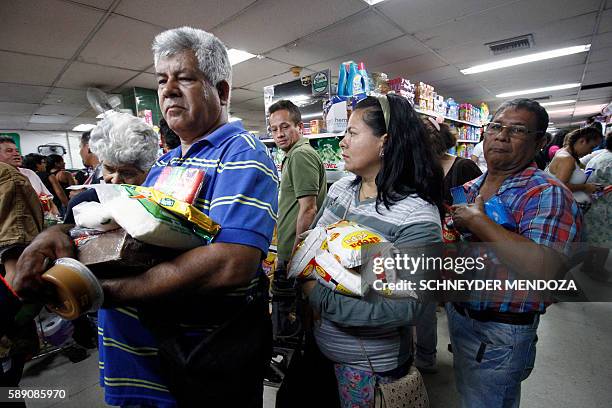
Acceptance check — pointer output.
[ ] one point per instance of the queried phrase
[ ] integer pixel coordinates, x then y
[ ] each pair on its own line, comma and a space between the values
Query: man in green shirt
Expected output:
302, 190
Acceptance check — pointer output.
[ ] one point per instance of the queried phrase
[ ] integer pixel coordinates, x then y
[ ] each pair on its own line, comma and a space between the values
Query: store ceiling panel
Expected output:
274, 80
241, 95
61, 109
66, 96
356, 33
437, 74
10, 122
144, 80
29, 70
385, 52
50, 119
18, 108
269, 24
495, 24
123, 43
22, 93
163, 13
52, 28
80, 75
410, 66
255, 70
606, 20
48, 126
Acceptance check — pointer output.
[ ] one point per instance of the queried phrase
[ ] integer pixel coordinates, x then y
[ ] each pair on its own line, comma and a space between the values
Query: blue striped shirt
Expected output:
240, 192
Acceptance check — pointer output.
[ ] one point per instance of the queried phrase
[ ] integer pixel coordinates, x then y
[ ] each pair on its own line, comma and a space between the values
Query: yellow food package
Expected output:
336, 277
346, 239
305, 252
180, 208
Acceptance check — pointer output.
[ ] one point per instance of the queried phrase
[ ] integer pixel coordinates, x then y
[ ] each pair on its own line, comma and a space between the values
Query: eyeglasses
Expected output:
518, 131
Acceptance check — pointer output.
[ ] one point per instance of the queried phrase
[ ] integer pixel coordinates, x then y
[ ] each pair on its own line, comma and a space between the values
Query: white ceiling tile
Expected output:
252, 104
241, 95
269, 24
179, 13
80, 75
48, 126
52, 27
66, 96
29, 70
382, 53
600, 54
100, 4
144, 80
22, 93
432, 76
275, 80
590, 94
17, 108
602, 40
359, 32
409, 66
255, 70
122, 42
54, 119
606, 22
416, 15
527, 17
62, 109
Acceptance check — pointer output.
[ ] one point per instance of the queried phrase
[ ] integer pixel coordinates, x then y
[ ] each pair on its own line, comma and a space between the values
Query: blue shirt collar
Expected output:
222, 133
519, 179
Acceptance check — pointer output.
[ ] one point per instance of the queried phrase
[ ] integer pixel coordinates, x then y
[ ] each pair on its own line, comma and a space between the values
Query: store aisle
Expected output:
573, 366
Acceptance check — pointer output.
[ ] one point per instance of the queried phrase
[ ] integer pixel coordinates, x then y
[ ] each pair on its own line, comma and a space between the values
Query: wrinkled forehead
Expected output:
514, 116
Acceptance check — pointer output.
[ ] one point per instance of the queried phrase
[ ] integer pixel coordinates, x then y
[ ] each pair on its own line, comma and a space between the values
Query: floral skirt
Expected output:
356, 386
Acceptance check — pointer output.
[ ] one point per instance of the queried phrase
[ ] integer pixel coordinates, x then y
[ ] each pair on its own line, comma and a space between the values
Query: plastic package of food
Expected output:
92, 214
336, 277
346, 241
305, 253
182, 183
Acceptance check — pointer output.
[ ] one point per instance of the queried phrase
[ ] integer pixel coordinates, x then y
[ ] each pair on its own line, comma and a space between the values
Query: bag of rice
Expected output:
346, 239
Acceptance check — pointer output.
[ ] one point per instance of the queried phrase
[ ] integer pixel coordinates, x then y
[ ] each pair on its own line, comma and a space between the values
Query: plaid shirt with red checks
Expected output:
545, 212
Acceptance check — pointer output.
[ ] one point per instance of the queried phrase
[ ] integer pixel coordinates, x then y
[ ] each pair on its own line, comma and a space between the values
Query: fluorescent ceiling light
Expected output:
566, 102
238, 56
234, 119
84, 127
555, 112
526, 59
373, 2
538, 90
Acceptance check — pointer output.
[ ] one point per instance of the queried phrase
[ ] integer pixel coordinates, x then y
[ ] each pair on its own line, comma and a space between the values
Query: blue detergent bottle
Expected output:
342, 85
365, 78
354, 81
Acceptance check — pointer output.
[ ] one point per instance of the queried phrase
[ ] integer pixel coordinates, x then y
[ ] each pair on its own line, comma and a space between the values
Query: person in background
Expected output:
303, 187
566, 164
541, 157
169, 139
10, 155
90, 161
201, 334
555, 144
396, 190
478, 156
58, 180
35, 162
494, 342
457, 171
597, 219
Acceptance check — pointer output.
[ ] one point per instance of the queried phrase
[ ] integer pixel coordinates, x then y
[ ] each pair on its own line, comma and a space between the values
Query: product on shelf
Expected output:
424, 96
403, 87
452, 108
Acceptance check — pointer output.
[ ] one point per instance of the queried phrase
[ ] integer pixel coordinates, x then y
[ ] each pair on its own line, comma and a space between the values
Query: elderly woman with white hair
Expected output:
127, 148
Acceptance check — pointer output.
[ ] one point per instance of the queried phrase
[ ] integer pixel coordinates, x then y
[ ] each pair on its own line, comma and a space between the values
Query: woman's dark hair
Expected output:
409, 164
441, 140
172, 140
52, 160
609, 141
589, 133
30, 161
541, 157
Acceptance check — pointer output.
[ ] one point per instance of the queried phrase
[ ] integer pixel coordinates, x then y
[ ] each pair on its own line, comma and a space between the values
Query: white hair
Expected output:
210, 52
123, 139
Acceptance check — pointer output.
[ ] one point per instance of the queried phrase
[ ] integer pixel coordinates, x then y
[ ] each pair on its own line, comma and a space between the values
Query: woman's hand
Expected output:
308, 286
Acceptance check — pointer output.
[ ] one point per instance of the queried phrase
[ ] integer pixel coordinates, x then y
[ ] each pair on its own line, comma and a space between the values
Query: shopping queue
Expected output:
160, 346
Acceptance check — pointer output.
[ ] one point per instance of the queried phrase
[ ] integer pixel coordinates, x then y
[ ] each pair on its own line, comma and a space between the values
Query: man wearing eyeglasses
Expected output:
494, 338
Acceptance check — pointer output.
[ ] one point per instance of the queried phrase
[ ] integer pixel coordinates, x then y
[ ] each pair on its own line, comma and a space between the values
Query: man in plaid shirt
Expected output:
494, 342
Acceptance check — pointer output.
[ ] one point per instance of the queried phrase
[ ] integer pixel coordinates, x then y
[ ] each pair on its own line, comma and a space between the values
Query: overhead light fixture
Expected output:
83, 127
238, 56
234, 119
373, 2
566, 102
558, 111
539, 56
538, 90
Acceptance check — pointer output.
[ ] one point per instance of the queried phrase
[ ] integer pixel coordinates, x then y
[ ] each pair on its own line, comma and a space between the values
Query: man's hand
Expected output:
465, 215
308, 286
35, 260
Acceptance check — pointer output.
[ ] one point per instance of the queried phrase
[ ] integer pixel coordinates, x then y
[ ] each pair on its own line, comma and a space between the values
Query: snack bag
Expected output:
346, 239
183, 184
300, 266
334, 276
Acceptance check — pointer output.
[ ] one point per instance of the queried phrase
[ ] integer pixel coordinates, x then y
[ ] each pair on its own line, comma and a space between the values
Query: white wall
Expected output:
31, 139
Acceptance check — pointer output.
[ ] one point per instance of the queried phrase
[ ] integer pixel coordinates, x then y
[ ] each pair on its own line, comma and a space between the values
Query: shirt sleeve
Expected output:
552, 218
244, 200
468, 171
304, 168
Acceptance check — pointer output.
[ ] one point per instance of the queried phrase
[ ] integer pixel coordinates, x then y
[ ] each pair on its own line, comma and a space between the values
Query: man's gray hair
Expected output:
210, 52
124, 140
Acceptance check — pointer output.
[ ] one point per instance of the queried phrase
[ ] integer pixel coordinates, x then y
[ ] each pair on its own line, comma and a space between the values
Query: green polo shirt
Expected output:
302, 175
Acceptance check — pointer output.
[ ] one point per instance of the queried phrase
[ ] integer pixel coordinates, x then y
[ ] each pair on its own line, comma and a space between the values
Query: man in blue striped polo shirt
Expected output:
188, 331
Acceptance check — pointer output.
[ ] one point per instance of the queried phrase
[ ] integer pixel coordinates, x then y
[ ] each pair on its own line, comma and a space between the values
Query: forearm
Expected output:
203, 269
304, 220
577, 187
533, 260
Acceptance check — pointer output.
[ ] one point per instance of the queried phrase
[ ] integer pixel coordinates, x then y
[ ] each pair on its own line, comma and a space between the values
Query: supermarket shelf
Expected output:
317, 136
467, 141
435, 115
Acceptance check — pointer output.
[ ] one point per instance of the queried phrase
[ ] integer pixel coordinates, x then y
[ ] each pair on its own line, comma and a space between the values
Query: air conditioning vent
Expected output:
511, 44
542, 98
